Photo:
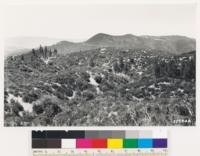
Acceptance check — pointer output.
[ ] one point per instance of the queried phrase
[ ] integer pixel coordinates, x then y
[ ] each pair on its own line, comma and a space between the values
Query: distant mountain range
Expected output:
172, 44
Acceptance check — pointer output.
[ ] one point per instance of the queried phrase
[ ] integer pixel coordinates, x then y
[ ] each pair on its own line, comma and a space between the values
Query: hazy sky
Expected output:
83, 21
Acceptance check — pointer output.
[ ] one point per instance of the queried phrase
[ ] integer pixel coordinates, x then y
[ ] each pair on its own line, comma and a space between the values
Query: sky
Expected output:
82, 21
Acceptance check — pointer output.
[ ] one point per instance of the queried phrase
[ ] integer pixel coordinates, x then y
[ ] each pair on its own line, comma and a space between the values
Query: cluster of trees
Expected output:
40, 52
176, 68
121, 66
44, 51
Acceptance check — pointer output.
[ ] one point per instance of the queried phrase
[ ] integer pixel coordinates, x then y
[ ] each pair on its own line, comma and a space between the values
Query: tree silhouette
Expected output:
55, 51
45, 52
121, 63
91, 62
34, 52
50, 52
41, 51
22, 57
116, 67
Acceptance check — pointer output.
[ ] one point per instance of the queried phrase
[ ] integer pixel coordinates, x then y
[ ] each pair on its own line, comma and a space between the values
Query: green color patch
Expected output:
130, 143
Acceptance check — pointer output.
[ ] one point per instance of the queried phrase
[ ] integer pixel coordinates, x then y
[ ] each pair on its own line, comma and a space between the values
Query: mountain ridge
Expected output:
174, 44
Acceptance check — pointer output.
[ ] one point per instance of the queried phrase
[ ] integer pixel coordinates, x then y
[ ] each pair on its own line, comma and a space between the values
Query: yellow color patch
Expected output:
115, 143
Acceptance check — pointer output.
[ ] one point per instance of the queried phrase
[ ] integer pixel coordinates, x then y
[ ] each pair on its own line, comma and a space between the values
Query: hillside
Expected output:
100, 87
170, 44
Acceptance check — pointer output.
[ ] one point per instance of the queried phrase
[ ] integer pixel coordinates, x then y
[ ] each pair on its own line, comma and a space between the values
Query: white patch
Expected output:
73, 96
94, 83
46, 61
102, 50
137, 99
21, 114
180, 90
80, 63
112, 113
106, 65
46, 84
122, 75
140, 73
34, 88
153, 97
27, 106
92, 80
173, 94
164, 83
127, 50
57, 84
152, 86
132, 67
98, 90
102, 75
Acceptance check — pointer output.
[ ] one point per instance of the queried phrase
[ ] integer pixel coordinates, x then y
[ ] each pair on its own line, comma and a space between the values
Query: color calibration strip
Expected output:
99, 139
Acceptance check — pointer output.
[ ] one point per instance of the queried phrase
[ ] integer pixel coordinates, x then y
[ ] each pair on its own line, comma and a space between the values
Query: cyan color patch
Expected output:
145, 143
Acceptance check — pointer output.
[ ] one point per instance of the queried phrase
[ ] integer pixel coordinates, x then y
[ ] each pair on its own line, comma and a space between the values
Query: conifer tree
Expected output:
45, 52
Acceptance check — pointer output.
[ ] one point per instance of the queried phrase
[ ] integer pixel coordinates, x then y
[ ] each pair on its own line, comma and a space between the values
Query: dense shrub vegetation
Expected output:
113, 87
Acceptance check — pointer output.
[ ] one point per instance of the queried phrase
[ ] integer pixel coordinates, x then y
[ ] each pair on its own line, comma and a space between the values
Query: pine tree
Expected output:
50, 52
45, 52
116, 67
33, 52
121, 63
157, 69
127, 67
91, 62
22, 57
55, 51
41, 51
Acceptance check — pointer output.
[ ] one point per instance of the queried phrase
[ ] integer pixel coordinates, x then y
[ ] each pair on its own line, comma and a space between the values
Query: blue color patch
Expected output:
145, 143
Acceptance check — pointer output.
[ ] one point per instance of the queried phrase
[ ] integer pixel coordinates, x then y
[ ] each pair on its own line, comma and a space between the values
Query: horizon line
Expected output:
85, 39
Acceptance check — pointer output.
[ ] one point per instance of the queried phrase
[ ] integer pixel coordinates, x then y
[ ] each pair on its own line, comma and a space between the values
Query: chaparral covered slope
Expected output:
110, 86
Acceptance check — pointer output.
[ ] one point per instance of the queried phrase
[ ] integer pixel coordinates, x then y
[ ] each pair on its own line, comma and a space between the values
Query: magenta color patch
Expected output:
83, 143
